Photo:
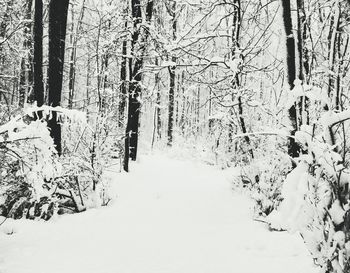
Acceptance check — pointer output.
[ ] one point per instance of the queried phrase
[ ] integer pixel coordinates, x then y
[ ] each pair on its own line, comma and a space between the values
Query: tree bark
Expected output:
303, 62
293, 147
171, 104
3, 31
172, 75
58, 10
236, 82
123, 85
302, 36
132, 127
71, 63
26, 75
158, 117
333, 38
38, 54
73, 57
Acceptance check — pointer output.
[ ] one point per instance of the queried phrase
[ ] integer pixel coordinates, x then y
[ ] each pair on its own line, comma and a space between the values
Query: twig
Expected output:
4, 221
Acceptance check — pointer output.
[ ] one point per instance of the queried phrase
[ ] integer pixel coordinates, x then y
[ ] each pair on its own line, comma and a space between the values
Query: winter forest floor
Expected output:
170, 216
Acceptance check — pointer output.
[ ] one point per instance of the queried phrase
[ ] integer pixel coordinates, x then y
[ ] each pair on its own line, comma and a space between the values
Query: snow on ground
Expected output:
170, 216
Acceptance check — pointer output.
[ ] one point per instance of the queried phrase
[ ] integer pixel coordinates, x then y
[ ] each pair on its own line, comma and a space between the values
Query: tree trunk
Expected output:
293, 147
73, 56
26, 75
304, 69
132, 127
38, 54
88, 72
104, 72
158, 122
3, 31
58, 10
333, 37
171, 104
123, 85
303, 62
71, 63
172, 74
236, 82
184, 104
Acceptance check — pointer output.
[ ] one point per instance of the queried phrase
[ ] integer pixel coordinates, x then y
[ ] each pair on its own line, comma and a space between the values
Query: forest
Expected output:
231, 114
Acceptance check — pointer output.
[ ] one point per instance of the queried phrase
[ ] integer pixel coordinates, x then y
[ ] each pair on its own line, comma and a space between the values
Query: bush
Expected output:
36, 183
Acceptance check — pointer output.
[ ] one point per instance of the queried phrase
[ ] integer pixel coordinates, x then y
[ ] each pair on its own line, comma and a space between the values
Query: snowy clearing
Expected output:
170, 216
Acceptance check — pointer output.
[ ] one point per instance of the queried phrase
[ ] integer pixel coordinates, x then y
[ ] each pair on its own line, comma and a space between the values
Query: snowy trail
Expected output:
169, 217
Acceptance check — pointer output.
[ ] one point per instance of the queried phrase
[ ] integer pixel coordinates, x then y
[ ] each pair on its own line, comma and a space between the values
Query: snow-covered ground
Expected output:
170, 216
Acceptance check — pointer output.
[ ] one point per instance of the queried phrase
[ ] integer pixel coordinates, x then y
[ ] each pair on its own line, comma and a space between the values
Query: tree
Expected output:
134, 105
74, 33
172, 74
38, 87
236, 30
293, 147
303, 62
123, 75
58, 11
26, 74
5, 20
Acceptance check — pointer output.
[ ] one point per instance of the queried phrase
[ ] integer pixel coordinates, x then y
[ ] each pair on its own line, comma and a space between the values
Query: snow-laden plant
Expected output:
28, 163
316, 193
89, 150
36, 182
264, 177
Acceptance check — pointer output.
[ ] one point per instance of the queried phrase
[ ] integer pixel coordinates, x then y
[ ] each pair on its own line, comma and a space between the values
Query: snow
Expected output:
293, 213
337, 213
170, 216
330, 118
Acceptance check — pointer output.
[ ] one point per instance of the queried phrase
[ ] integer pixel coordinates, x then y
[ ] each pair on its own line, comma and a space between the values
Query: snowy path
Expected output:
169, 217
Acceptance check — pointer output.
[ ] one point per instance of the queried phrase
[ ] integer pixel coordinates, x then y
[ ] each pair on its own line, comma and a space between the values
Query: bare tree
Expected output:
172, 75
38, 54
26, 74
293, 147
134, 105
58, 10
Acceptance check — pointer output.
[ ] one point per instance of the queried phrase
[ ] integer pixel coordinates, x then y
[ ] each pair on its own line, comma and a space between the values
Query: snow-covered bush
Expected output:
312, 206
36, 182
316, 193
264, 178
28, 164
88, 152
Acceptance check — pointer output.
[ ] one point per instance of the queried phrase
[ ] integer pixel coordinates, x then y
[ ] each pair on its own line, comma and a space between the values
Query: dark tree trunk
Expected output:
58, 10
22, 83
303, 62
184, 105
38, 54
131, 137
106, 84
293, 147
87, 98
302, 36
301, 23
158, 104
123, 85
71, 82
172, 74
171, 104
236, 81
132, 127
